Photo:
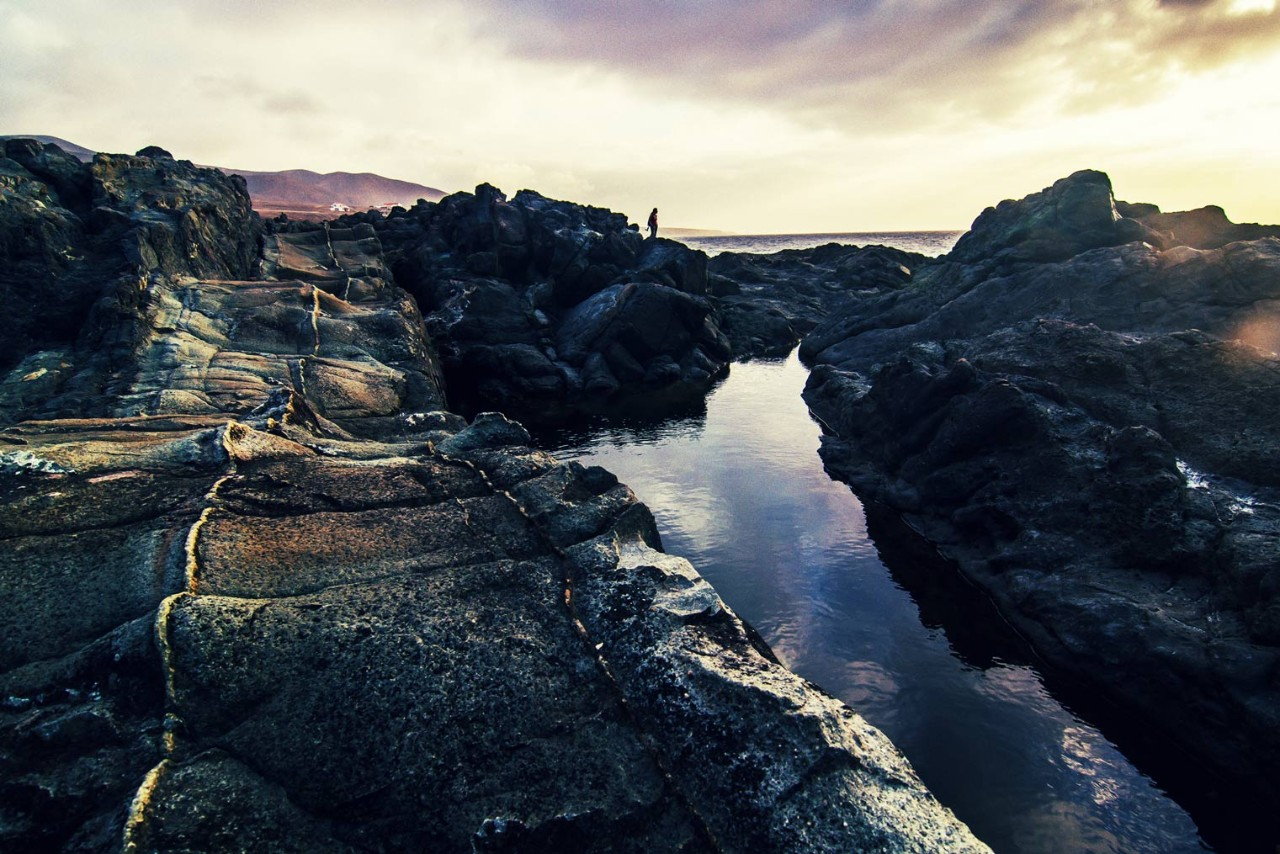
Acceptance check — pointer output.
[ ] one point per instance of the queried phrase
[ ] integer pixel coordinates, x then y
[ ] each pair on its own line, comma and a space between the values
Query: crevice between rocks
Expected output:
575, 621
136, 820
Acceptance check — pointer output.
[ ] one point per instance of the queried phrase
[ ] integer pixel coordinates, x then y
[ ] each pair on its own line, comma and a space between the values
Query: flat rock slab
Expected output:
247, 641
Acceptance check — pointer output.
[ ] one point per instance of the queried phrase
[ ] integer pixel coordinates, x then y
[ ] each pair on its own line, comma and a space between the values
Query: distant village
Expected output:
384, 208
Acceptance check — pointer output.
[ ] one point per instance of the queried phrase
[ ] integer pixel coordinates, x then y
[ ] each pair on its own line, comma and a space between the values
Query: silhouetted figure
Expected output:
653, 223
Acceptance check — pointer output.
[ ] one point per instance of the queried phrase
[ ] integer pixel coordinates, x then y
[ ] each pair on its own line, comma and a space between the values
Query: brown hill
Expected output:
300, 193
302, 188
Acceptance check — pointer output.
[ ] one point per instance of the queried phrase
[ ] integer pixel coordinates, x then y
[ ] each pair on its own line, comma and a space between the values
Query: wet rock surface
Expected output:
1074, 407
262, 592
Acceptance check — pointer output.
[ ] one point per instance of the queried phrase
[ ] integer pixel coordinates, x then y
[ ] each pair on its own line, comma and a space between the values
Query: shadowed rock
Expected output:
260, 592
767, 303
1075, 418
508, 286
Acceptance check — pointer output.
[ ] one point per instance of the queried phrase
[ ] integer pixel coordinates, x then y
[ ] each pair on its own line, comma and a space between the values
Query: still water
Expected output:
738, 488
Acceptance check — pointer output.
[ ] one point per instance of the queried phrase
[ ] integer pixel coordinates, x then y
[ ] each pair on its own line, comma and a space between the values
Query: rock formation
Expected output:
1073, 406
261, 591
540, 306
767, 303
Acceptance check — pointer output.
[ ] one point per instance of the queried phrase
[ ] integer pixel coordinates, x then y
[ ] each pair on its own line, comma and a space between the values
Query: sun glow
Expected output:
1252, 7
833, 130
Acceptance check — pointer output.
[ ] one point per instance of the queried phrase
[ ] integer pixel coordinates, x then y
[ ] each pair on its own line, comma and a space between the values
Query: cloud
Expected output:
842, 62
822, 115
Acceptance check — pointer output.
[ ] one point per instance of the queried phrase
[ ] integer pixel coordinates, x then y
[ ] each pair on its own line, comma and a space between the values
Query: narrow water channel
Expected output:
738, 488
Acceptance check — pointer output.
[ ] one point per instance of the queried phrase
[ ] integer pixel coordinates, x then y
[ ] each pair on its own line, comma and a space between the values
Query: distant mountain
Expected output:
304, 188
300, 193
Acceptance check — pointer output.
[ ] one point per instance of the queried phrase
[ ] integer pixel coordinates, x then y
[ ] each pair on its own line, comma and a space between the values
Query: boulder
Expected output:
767, 303
520, 295
1073, 419
1076, 214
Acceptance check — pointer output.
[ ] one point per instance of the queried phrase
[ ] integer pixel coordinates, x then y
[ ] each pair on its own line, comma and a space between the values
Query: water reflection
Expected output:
740, 490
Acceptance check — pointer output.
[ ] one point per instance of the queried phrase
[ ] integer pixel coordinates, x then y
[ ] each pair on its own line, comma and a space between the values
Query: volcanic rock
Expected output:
1205, 228
73, 233
1075, 420
540, 306
262, 592
769, 302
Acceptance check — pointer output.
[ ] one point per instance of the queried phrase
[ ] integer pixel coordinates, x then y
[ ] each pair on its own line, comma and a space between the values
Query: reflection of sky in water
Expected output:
743, 495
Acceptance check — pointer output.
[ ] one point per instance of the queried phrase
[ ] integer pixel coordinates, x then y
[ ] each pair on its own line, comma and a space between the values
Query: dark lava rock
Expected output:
259, 592
1205, 228
1076, 214
72, 233
1076, 420
512, 291
767, 303
182, 219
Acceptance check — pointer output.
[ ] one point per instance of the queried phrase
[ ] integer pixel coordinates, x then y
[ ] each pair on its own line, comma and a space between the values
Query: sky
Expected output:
749, 116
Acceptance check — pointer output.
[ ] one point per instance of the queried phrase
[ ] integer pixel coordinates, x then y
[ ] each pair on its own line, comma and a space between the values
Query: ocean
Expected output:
930, 243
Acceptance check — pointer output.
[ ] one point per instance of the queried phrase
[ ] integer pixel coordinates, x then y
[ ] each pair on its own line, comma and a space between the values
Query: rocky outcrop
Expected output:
769, 302
70, 233
262, 592
238, 634
1076, 214
178, 346
1074, 419
1204, 228
544, 307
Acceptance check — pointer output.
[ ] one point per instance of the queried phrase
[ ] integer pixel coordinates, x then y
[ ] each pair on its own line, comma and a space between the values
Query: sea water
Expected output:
736, 485
931, 243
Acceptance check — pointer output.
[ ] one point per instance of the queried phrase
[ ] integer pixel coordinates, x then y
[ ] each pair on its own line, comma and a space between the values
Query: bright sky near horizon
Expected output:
752, 116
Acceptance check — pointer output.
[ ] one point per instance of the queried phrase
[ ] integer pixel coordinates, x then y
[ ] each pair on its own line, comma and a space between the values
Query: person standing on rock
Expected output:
653, 223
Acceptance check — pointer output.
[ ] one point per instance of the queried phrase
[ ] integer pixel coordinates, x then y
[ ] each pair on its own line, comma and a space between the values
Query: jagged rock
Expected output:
72, 234
767, 303
1076, 214
642, 330
184, 220
1134, 288
1076, 424
1205, 228
512, 290
186, 347
270, 597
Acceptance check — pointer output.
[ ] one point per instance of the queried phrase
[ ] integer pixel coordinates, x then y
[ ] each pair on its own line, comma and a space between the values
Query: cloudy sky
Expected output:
752, 116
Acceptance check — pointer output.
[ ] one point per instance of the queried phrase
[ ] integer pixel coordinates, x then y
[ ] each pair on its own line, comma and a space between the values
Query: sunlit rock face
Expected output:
262, 591
1074, 406
192, 309
70, 233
